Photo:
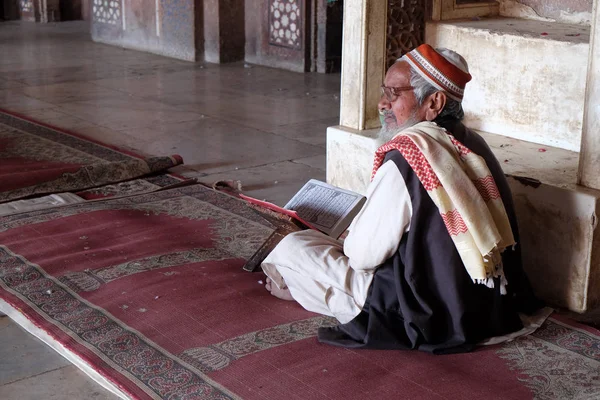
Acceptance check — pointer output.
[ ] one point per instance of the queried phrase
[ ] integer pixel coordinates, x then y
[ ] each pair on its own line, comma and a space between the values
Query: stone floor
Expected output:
262, 126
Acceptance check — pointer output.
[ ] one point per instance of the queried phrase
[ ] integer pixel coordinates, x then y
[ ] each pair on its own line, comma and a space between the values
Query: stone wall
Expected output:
277, 33
566, 11
224, 33
529, 77
49, 10
166, 27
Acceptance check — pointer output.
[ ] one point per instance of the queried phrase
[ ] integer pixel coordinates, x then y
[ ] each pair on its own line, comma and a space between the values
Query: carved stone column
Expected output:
48, 10
363, 62
376, 33
224, 35
589, 159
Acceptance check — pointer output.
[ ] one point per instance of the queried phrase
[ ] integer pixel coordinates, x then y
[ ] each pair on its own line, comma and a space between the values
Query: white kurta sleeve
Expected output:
376, 231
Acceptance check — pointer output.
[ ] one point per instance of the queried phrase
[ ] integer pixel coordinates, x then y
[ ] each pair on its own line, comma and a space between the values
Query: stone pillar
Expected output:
589, 158
363, 62
224, 30
350, 146
48, 10
86, 10
327, 37
376, 33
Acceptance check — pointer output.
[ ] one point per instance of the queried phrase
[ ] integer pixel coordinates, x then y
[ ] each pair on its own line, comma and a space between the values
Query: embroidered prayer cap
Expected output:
439, 71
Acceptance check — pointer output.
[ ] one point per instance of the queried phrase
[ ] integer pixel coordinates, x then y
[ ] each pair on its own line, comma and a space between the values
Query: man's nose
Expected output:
384, 104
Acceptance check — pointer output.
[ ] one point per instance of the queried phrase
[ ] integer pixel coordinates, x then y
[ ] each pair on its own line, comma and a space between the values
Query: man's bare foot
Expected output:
283, 294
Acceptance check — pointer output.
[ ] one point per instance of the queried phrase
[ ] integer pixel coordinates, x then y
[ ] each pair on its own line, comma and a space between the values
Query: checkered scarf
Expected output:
463, 189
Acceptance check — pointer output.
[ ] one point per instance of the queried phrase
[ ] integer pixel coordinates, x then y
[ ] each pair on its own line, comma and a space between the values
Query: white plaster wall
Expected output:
558, 239
523, 86
513, 8
350, 155
590, 153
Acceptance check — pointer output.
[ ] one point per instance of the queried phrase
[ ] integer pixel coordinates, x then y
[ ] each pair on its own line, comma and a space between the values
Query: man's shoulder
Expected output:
395, 156
471, 139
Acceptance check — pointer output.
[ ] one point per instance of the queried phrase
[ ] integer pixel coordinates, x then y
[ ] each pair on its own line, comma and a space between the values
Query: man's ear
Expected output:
434, 105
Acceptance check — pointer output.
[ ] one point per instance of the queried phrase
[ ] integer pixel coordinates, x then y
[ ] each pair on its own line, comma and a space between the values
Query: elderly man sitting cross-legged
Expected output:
432, 261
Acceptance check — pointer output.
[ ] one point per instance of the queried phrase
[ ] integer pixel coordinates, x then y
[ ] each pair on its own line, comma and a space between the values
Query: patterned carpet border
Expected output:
200, 192
105, 171
125, 349
64, 136
558, 361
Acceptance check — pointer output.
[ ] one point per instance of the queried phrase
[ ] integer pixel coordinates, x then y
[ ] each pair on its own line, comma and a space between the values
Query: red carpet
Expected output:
149, 290
37, 159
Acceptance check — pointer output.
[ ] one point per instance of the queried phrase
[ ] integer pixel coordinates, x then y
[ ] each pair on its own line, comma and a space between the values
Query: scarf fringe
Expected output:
489, 282
498, 273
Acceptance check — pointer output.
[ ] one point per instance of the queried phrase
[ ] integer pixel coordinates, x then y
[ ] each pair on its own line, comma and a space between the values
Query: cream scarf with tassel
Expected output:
463, 189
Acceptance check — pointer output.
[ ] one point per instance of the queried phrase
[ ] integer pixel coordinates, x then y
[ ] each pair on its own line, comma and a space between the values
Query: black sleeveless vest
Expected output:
422, 297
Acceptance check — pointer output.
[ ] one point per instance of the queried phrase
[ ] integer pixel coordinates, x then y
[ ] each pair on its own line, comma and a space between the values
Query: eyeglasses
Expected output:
391, 93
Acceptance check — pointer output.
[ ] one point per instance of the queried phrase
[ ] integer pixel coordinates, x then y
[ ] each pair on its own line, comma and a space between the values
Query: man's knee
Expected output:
293, 243
301, 242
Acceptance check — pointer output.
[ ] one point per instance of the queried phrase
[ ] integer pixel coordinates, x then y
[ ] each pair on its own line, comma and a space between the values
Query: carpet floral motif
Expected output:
557, 362
118, 189
153, 202
10, 123
32, 147
128, 188
91, 280
220, 355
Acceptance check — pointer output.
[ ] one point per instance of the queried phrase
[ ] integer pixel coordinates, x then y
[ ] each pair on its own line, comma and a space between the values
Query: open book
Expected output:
317, 205
326, 207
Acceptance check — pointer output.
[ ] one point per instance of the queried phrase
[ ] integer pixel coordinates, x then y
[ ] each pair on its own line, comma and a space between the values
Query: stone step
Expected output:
529, 76
557, 218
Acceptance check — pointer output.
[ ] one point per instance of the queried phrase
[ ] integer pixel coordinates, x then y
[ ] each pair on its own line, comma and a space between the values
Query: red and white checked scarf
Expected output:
463, 188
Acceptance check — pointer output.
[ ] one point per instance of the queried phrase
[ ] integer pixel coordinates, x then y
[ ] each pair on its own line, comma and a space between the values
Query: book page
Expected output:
324, 206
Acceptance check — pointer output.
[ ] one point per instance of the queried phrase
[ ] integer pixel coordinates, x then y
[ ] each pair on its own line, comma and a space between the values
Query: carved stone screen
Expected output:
26, 6
278, 33
27, 10
107, 12
285, 23
405, 27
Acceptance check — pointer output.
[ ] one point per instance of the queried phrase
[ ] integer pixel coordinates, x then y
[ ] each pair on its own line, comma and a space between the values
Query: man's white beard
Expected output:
389, 130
